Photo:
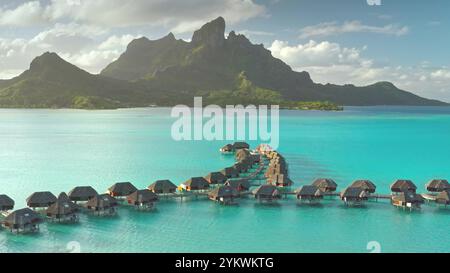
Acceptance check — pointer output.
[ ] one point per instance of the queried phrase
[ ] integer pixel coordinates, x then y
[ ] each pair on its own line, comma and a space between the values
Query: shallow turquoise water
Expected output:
59, 149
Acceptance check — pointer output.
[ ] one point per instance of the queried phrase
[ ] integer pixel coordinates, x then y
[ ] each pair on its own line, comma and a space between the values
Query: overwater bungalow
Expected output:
6, 203
367, 185
267, 193
280, 180
309, 193
407, 199
43, 199
230, 172
273, 170
241, 167
443, 198
63, 210
102, 205
121, 189
22, 221
163, 187
224, 195
240, 145
242, 154
143, 199
401, 186
227, 149
214, 178
354, 196
239, 185
438, 185
196, 184
82, 193
325, 185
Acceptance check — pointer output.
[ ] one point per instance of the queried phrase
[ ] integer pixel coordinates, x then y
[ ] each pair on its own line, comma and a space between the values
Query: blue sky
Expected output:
348, 41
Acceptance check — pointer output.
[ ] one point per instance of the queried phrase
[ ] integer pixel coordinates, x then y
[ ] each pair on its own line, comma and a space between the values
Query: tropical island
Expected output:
170, 71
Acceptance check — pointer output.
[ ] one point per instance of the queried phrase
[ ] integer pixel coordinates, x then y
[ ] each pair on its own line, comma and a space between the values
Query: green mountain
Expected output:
51, 82
212, 62
168, 71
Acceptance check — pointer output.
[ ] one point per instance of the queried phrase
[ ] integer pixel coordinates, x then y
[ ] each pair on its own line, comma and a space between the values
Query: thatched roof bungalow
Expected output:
63, 210
103, 205
309, 193
227, 148
366, 185
143, 199
443, 198
22, 220
267, 192
230, 172
400, 186
280, 180
241, 167
163, 187
121, 189
354, 196
41, 199
196, 184
216, 178
82, 193
223, 194
6, 203
239, 185
438, 185
407, 199
325, 184
242, 154
240, 145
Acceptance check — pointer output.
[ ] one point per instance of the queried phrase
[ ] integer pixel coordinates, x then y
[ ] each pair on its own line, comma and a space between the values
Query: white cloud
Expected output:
29, 13
333, 28
179, 15
329, 62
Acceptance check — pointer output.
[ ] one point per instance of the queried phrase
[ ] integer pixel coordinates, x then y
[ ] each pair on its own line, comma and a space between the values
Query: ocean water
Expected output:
58, 149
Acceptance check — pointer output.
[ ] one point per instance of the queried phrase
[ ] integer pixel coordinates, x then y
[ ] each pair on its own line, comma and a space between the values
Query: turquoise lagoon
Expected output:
59, 149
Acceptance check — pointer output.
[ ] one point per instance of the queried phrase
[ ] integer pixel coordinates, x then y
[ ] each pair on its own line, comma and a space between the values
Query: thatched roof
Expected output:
438, 185
241, 167
22, 217
227, 148
122, 189
241, 145
325, 184
82, 193
6, 203
242, 154
142, 197
223, 192
403, 185
41, 199
216, 178
62, 206
367, 185
196, 183
309, 190
230, 172
443, 197
267, 190
163, 186
354, 193
239, 184
408, 197
280, 180
102, 201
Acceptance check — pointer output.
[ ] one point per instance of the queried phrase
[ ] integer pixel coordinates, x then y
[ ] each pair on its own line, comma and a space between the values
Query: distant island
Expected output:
168, 71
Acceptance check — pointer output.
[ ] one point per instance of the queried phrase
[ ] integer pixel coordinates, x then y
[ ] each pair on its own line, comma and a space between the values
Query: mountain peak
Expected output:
50, 59
211, 34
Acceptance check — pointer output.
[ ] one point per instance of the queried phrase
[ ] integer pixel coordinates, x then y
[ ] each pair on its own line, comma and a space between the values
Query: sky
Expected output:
337, 41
